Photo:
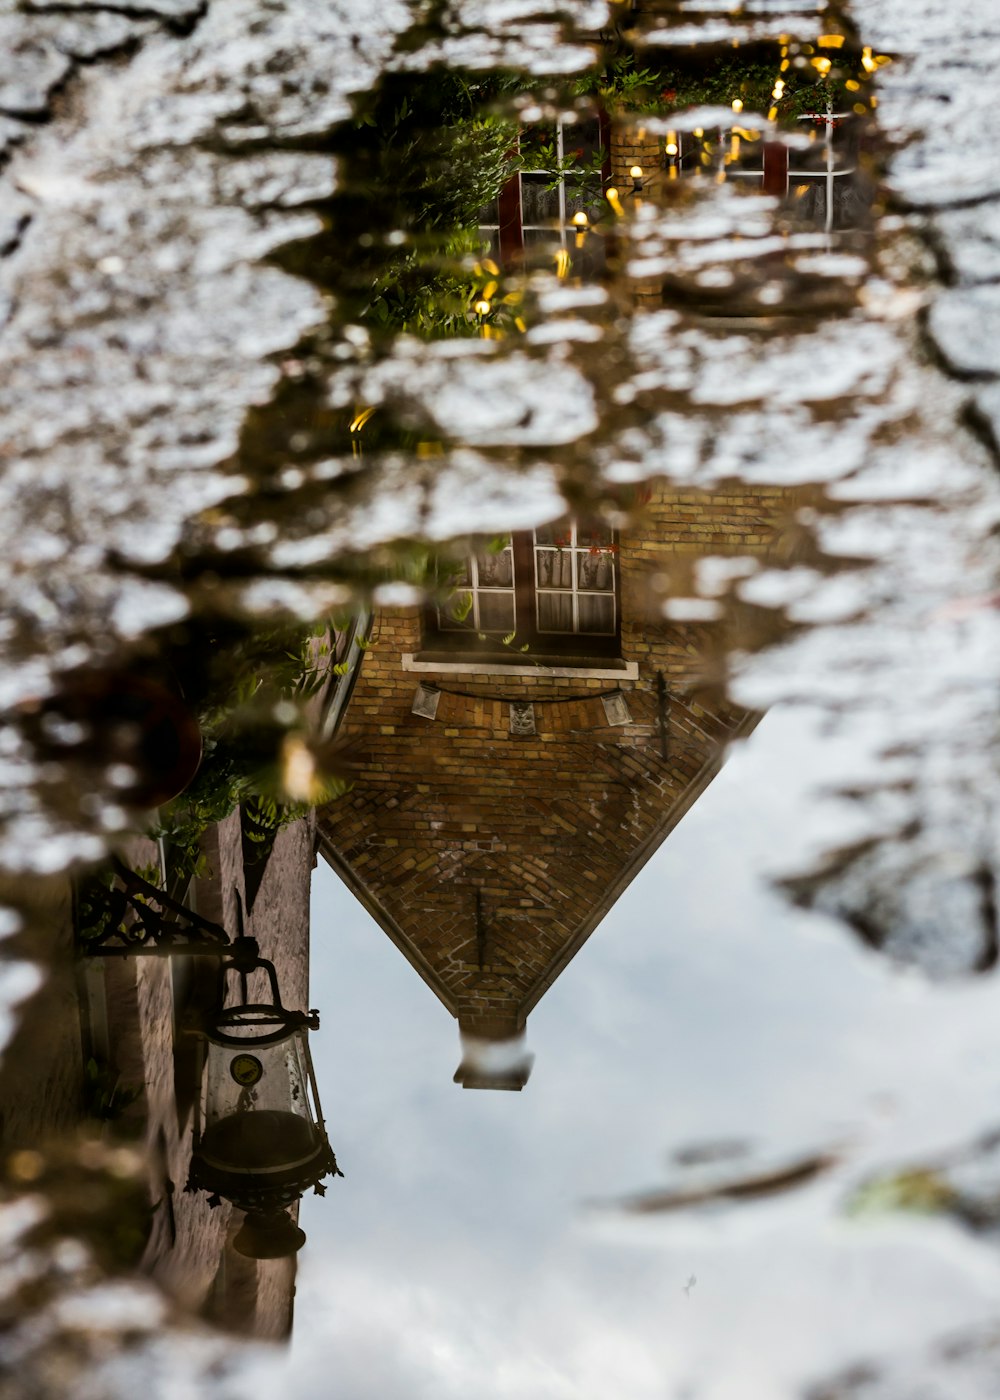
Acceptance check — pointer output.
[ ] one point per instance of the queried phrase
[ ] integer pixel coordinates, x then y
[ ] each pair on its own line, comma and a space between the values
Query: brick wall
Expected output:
490, 857
189, 1251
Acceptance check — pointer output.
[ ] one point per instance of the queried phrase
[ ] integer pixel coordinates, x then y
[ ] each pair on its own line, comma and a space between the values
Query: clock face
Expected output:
246, 1069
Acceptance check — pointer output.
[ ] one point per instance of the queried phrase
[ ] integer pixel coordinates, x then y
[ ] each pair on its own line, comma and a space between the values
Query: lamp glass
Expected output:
257, 1116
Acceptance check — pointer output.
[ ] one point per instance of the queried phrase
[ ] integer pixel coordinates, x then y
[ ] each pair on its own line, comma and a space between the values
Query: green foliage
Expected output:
104, 1095
460, 606
430, 290
439, 149
258, 689
675, 87
92, 919
428, 155
922, 1191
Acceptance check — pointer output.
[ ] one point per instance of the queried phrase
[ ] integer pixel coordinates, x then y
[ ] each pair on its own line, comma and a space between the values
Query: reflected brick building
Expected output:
508, 798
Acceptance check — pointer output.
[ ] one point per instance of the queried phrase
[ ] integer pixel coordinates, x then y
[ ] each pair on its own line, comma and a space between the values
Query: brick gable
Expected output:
490, 857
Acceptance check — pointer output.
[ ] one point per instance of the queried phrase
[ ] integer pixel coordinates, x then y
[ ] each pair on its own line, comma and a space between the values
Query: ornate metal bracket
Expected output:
134, 917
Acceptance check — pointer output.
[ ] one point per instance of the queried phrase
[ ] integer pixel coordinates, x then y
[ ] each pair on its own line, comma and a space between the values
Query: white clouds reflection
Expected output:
458, 1258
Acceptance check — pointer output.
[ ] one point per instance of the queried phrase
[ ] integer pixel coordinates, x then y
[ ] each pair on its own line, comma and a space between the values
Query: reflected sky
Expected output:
475, 1245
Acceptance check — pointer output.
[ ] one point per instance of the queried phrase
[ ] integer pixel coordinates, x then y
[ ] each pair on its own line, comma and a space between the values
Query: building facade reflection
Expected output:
514, 789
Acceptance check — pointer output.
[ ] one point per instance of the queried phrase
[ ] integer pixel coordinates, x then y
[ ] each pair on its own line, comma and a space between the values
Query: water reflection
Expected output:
533, 737
453, 499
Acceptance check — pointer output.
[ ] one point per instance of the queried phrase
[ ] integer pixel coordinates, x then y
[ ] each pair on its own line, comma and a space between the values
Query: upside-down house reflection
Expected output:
529, 750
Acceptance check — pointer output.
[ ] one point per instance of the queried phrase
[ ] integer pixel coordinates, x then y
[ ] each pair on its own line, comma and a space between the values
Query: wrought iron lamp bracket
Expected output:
146, 921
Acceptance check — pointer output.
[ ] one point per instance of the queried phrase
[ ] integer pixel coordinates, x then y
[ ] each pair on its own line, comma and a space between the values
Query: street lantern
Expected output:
259, 1138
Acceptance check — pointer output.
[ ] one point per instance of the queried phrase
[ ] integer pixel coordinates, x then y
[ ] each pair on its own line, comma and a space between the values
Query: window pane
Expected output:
597, 613
496, 612
590, 535
557, 536
456, 615
596, 570
555, 612
555, 568
496, 570
538, 205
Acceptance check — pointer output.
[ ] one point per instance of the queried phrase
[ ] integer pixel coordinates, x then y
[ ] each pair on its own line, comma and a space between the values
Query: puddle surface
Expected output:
499, 518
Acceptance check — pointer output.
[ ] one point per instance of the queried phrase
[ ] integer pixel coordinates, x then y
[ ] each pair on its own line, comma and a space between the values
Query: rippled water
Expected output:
499, 507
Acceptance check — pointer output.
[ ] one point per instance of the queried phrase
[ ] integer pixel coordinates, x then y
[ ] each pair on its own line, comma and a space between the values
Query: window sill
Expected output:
607, 669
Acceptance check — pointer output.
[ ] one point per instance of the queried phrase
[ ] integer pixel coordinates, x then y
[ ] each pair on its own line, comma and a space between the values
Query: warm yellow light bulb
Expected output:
482, 308
580, 219
737, 104
636, 172
671, 148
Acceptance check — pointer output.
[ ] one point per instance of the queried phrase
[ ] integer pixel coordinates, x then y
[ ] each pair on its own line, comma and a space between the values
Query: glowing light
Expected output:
490, 266
671, 148
699, 131
562, 262
611, 195
737, 104
481, 308
361, 418
830, 41
580, 219
636, 172
822, 65
867, 62
852, 85
489, 291
299, 777
779, 89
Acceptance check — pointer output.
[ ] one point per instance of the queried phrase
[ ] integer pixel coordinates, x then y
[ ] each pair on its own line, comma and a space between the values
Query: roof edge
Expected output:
384, 920
709, 770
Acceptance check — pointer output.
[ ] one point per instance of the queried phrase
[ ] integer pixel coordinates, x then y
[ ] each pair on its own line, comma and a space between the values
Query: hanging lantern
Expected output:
260, 1140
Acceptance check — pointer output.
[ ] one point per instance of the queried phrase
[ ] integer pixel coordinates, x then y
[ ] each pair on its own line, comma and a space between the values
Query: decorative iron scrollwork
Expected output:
136, 917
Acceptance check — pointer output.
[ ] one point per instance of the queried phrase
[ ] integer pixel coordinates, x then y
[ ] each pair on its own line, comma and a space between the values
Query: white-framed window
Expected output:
485, 599
541, 592
574, 580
